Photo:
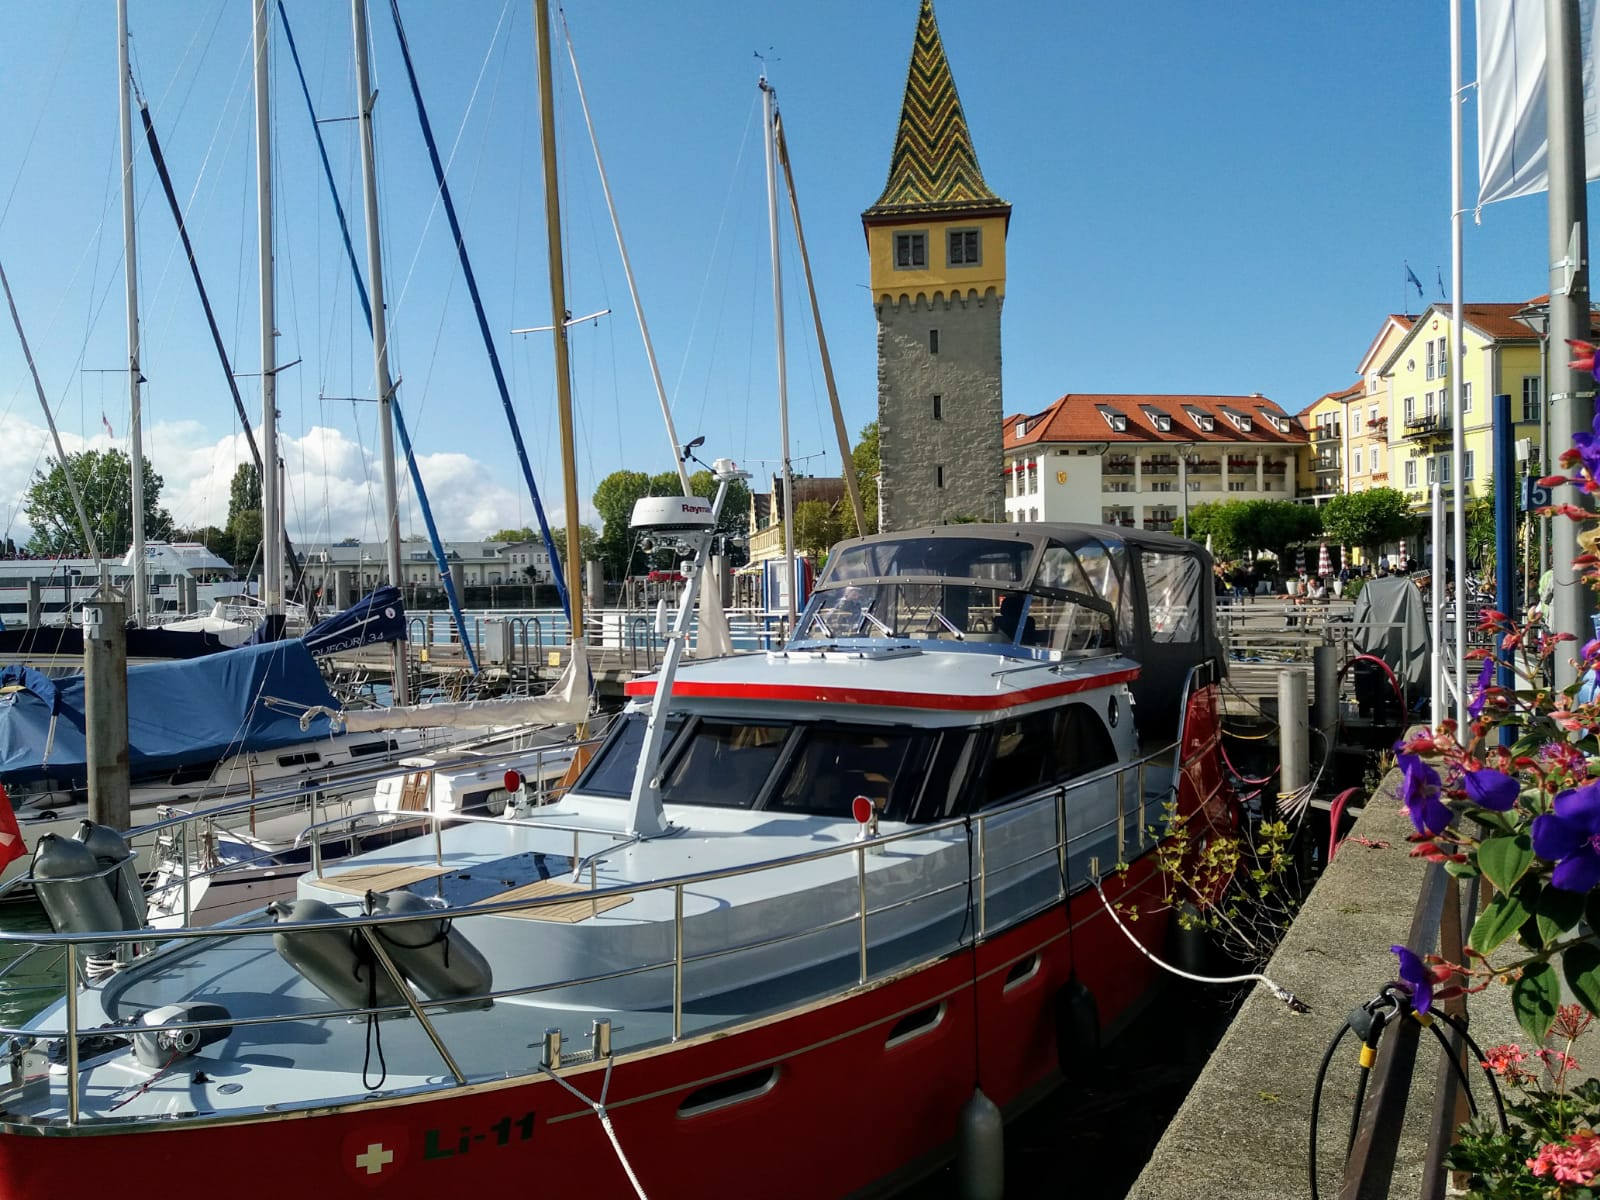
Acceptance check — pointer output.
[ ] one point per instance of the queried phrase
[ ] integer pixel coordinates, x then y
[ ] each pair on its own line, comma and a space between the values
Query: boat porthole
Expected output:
915, 1024
1113, 711
229, 1089
1024, 969
726, 1092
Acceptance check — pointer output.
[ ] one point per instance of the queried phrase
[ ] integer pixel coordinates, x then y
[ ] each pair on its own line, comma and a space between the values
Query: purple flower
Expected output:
1588, 447
1491, 789
1420, 787
1415, 978
1570, 838
1485, 674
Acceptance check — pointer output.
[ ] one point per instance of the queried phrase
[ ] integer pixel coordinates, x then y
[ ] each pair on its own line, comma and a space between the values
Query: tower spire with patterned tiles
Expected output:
936, 238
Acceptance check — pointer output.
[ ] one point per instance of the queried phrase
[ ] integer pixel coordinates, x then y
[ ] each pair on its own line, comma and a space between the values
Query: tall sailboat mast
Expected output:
380, 328
271, 526
558, 307
130, 259
770, 140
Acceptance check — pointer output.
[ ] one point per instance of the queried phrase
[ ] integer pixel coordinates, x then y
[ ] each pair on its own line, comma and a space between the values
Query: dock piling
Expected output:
105, 696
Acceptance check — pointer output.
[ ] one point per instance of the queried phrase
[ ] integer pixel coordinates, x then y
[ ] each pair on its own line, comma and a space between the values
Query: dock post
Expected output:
105, 696
1325, 682
1294, 757
35, 604
191, 595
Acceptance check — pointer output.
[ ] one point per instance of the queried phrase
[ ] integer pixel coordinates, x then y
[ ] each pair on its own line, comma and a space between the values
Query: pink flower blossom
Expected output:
1505, 1059
1557, 1062
1575, 1161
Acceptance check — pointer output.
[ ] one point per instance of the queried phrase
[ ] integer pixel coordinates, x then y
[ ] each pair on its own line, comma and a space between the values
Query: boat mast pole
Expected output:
380, 329
847, 464
769, 140
271, 536
558, 306
130, 272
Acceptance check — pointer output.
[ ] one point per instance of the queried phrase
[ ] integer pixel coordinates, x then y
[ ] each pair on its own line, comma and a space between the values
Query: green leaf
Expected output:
1591, 909
1505, 859
1558, 911
1497, 922
1581, 965
1534, 998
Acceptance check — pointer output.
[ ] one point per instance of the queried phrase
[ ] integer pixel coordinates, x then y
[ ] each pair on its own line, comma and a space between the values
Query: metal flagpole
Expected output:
1458, 355
1570, 397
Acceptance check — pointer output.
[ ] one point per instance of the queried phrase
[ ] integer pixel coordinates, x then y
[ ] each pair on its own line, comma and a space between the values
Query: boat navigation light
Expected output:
861, 809
513, 781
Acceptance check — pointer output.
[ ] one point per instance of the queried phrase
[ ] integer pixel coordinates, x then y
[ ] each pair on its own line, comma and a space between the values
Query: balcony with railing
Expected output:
1159, 524
1160, 464
1379, 425
1275, 467
1204, 466
1325, 433
1428, 425
1326, 464
1117, 464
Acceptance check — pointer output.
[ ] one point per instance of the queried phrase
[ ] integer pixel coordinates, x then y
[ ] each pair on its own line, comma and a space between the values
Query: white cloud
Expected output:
335, 483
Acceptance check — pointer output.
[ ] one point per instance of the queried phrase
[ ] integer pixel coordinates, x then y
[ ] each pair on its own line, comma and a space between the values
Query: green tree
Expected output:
613, 500
244, 490
588, 546
245, 529
1238, 526
105, 481
524, 534
1369, 519
868, 465
816, 527
244, 515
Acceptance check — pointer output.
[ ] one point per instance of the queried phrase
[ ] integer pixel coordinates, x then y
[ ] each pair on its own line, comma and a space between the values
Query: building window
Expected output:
1372, 415
1444, 359
1238, 485
933, 341
1410, 407
1164, 485
938, 477
1427, 404
1411, 472
911, 251
1466, 397
964, 248
1444, 468
1466, 467
1531, 392
1033, 514
1430, 359
938, 407
1358, 462
1433, 470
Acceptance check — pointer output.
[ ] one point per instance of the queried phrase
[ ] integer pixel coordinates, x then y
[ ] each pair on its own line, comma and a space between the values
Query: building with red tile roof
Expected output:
1142, 460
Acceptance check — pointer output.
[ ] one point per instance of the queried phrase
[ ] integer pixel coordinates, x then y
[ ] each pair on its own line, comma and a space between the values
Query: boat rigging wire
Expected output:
1279, 992
599, 1107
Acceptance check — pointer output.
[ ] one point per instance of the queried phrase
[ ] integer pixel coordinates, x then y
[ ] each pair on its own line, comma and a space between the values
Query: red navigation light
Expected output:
861, 809
513, 781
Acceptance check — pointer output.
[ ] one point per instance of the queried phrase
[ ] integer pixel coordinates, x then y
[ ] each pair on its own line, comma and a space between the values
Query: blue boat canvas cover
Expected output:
179, 713
378, 617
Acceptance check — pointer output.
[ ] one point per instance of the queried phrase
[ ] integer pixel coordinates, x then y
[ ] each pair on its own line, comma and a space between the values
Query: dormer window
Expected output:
1022, 428
1113, 418
1240, 420
1206, 423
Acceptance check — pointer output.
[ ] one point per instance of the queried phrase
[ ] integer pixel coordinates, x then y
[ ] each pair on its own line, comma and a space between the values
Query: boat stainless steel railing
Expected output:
974, 828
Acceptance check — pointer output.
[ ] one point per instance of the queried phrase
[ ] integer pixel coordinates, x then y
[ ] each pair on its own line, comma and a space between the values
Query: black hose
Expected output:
1316, 1100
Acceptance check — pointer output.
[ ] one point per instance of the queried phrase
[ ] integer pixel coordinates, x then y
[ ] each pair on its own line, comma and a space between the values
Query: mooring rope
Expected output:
1278, 990
599, 1107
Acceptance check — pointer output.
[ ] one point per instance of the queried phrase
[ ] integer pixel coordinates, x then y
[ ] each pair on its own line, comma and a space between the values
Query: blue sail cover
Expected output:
179, 713
379, 617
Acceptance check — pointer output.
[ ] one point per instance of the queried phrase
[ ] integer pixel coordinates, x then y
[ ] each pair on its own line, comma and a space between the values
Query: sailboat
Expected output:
806, 919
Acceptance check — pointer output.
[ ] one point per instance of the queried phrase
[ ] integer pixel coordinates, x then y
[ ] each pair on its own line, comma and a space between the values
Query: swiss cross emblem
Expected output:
372, 1156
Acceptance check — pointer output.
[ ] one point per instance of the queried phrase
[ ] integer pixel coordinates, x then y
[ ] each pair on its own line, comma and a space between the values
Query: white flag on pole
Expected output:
1512, 137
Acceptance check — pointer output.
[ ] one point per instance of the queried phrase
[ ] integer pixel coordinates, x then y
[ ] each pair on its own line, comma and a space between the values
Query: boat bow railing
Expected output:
1006, 882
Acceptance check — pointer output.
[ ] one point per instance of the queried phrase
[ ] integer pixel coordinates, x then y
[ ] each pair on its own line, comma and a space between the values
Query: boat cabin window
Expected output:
193, 773
835, 764
1038, 749
362, 749
723, 763
611, 773
299, 760
989, 559
1172, 587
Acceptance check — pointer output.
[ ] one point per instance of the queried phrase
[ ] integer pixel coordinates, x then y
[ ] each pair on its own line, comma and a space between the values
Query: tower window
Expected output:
938, 407
911, 251
933, 341
938, 477
964, 248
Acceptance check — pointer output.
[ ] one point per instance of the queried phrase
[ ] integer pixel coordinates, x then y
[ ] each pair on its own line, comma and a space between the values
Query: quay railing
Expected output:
1003, 865
1443, 916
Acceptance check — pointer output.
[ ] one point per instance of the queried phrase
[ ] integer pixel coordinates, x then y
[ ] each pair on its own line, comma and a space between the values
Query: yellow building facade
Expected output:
1502, 355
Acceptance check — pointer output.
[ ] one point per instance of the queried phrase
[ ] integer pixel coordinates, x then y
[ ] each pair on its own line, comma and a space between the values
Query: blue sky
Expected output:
1206, 198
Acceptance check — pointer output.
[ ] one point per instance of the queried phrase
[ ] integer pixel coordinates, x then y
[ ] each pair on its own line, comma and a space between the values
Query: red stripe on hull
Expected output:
819, 694
845, 1111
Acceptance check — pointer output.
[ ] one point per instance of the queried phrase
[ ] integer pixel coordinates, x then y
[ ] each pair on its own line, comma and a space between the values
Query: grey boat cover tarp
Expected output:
179, 713
1391, 623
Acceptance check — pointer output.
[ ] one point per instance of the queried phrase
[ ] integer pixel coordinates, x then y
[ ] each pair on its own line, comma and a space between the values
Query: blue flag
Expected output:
1411, 278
